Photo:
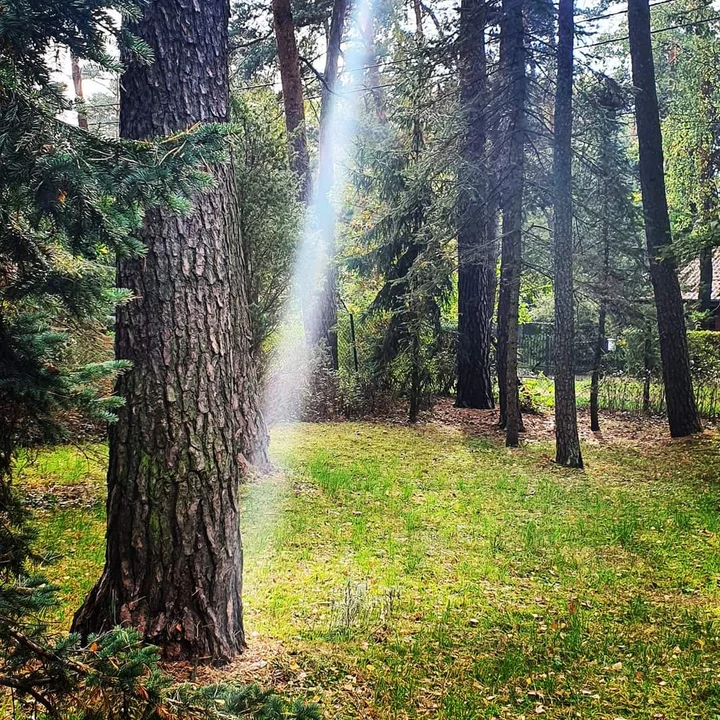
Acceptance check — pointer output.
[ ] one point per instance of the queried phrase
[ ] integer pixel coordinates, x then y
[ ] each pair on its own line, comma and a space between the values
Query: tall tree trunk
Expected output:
372, 74
705, 289
514, 85
322, 330
602, 314
79, 95
293, 102
682, 412
419, 31
476, 255
567, 442
173, 565
606, 190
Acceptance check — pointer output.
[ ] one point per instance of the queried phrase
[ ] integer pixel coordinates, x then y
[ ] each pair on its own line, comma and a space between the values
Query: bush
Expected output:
704, 347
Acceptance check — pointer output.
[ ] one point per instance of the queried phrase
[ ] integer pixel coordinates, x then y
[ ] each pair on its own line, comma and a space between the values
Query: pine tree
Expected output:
189, 425
566, 430
405, 251
293, 95
69, 202
477, 254
513, 56
682, 411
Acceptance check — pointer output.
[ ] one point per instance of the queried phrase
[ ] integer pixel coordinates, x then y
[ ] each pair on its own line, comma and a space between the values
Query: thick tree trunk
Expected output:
173, 566
566, 431
705, 289
293, 102
682, 412
321, 330
476, 252
512, 59
78, 85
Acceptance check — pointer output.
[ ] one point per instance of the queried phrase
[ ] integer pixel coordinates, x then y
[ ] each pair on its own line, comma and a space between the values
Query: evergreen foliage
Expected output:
70, 203
269, 212
407, 248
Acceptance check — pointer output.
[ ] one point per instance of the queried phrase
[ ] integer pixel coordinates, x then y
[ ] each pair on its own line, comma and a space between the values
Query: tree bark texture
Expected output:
322, 328
476, 250
514, 86
682, 412
293, 97
173, 566
567, 441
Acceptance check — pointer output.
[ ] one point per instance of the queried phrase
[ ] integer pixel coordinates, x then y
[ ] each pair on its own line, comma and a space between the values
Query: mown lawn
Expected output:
417, 572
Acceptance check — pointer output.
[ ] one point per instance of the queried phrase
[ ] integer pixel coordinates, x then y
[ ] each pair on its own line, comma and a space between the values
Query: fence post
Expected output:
352, 340
548, 361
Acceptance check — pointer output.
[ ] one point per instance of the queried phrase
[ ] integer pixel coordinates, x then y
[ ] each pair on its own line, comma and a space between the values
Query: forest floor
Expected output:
400, 572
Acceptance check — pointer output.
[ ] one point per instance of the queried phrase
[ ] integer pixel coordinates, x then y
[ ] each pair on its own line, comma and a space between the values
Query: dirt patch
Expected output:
616, 427
63, 497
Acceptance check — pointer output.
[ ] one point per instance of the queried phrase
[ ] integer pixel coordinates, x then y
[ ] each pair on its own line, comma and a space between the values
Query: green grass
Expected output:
418, 572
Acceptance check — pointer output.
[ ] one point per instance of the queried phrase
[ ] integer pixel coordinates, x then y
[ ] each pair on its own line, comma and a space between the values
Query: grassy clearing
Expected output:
423, 573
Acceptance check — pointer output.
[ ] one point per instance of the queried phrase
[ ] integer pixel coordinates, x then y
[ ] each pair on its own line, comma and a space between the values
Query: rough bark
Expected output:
173, 566
567, 441
476, 251
682, 412
78, 86
321, 329
293, 98
514, 83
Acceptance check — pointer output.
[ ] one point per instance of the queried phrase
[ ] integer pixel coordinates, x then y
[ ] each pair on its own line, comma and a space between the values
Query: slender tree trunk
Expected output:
293, 101
78, 85
597, 364
322, 330
705, 289
566, 431
606, 190
512, 59
648, 368
682, 412
372, 74
419, 31
602, 315
173, 565
415, 382
476, 255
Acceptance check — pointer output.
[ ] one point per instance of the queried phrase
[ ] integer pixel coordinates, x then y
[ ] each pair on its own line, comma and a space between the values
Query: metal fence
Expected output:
536, 346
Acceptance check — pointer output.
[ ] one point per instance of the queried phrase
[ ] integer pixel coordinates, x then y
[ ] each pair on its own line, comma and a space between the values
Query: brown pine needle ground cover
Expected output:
401, 572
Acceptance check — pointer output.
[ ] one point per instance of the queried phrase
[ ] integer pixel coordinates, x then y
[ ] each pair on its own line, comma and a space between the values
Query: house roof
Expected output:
689, 276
